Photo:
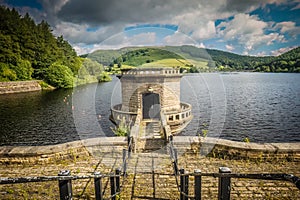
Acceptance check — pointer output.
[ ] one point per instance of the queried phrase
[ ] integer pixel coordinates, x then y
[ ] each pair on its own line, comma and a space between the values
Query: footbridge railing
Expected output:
224, 175
65, 179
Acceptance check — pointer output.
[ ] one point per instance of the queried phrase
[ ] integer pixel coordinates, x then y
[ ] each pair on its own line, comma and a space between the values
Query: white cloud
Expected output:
288, 27
282, 50
261, 54
296, 7
249, 31
78, 33
206, 31
201, 45
242, 24
178, 38
118, 41
82, 49
229, 47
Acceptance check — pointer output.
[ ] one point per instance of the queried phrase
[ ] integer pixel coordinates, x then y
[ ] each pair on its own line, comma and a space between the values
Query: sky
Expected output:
247, 27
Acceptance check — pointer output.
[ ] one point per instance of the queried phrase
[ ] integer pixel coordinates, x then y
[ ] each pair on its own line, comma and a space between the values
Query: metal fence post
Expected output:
224, 184
118, 172
197, 188
113, 186
175, 161
65, 186
186, 184
182, 184
130, 141
98, 186
171, 138
124, 162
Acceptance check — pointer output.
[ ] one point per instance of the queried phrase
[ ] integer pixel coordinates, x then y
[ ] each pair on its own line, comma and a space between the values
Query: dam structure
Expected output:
151, 106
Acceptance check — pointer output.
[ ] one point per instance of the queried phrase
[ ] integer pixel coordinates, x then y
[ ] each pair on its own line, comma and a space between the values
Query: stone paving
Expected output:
149, 176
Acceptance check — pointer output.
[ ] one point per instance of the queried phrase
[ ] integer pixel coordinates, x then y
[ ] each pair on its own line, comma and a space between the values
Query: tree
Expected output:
59, 76
23, 70
27, 50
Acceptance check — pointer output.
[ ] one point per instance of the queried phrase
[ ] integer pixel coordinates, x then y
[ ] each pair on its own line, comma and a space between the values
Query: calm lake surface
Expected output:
261, 107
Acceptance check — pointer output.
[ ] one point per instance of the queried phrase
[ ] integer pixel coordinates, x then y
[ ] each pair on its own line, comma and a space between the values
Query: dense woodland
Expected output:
30, 51
287, 62
225, 61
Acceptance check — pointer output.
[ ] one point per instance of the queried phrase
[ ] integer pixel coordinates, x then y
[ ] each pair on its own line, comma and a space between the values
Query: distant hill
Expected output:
193, 59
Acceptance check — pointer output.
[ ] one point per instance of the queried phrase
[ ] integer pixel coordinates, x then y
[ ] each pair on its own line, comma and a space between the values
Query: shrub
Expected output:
59, 76
104, 77
246, 140
7, 74
121, 130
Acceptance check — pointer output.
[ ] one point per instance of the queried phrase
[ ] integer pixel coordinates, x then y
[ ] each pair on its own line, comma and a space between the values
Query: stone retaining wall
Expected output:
49, 153
228, 149
212, 147
19, 86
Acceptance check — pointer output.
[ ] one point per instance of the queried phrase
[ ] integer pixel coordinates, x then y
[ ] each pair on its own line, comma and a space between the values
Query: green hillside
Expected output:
193, 59
147, 55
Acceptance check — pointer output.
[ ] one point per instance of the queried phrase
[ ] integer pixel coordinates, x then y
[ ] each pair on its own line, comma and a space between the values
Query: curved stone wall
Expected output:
221, 148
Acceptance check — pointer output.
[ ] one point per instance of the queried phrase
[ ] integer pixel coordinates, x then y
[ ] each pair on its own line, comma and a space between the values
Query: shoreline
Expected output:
13, 87
210, 147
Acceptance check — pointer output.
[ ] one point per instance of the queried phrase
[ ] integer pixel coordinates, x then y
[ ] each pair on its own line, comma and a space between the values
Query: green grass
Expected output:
147, 55
170, 62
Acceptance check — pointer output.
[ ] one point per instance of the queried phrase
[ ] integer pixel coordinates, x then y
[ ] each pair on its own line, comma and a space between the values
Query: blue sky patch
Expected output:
23, 3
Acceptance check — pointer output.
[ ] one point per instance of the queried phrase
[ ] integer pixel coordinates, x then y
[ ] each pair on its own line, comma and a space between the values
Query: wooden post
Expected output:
224, 184
65, 186
98, 186
197, 186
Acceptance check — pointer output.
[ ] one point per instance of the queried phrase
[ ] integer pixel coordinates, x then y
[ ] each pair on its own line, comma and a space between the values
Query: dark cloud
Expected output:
242, 6
129, 11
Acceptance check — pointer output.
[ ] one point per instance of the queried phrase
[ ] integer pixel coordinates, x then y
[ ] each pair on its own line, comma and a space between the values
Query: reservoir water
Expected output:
263, 107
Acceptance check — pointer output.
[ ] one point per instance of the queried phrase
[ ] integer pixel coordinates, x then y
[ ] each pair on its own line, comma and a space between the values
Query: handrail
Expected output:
184, 107
64, 178
117, 108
